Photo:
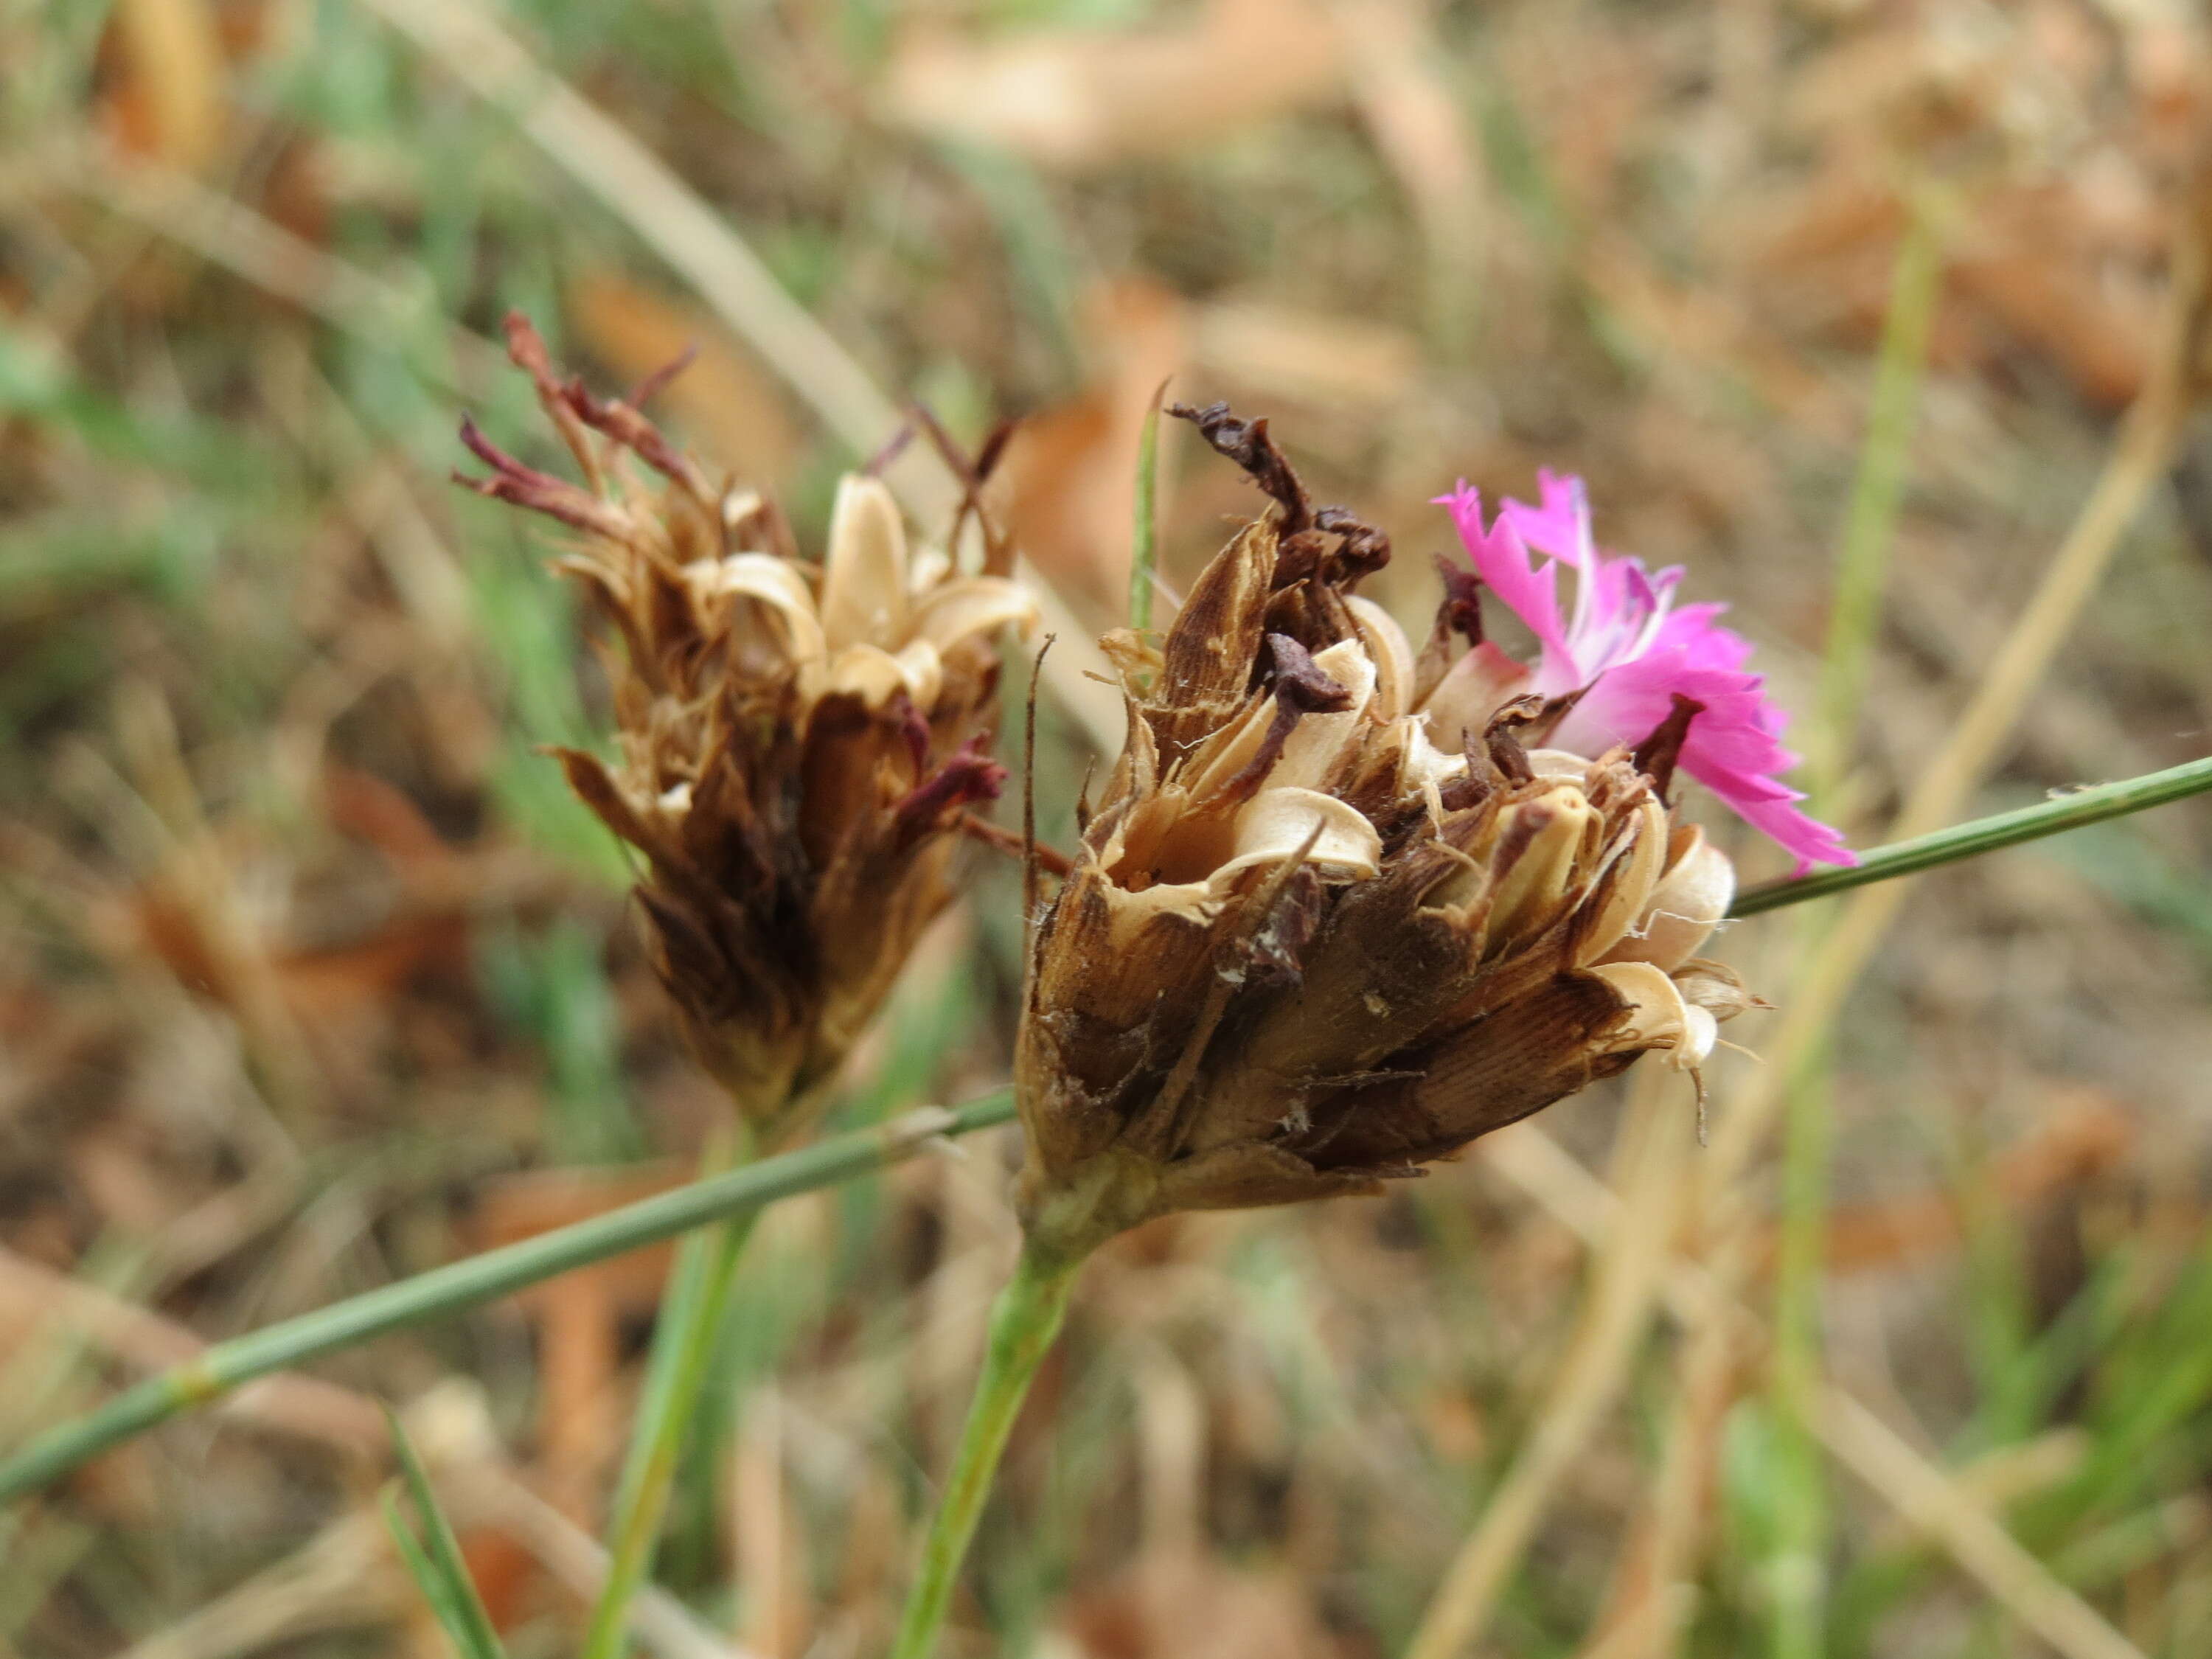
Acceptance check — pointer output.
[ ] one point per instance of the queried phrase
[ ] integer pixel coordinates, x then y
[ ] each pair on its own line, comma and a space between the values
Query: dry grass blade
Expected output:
1659, 1619
2146, 446
1082, 97
642, 191
168, 97
231, 236
1922, 1492
1615, 1316
342, 1579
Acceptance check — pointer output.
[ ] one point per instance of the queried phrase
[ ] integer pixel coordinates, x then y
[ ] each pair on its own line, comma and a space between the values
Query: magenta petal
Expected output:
1560, 527
1501, 559
1691, 630
1632, 652
1804, 838
1733, 747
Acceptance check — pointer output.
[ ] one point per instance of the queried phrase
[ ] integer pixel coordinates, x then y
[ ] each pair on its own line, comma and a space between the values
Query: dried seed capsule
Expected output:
797, 745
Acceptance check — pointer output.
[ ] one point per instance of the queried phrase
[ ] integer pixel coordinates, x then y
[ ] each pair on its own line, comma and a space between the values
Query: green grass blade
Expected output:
434, 1562
1798, 1566
1877, 491
690, 1313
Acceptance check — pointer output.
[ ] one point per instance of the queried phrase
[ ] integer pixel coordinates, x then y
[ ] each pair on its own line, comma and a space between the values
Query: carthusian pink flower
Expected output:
1633, 660
1341, 906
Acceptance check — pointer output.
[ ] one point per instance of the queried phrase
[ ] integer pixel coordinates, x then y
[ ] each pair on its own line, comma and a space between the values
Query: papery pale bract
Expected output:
1631, 653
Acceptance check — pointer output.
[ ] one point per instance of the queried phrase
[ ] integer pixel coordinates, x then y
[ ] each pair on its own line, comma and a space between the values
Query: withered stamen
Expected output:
893, 447
967, 777
1461, 609
1247, 443
632, 431
1658, 754
1301, 689
972, 475
523, 486
1507, 755
658, 381
1538, 729
999, 839
1364, 548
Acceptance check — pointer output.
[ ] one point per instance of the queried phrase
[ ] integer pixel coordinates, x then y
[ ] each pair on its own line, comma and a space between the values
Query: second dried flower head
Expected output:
798, 744
1346, 906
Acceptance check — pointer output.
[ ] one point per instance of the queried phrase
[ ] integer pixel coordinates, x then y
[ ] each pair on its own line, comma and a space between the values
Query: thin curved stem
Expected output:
683, 1341
1144, 549
2071, 810
481, 1279
1025, 1322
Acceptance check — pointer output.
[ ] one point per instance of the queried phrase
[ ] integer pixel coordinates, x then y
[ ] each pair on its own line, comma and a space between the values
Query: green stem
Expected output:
1804, 1511
1877, 491
1024, 1321
481, 1279
2050, 818
682, 1342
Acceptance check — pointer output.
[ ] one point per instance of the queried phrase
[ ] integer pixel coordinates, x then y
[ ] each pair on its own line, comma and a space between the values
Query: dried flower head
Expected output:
1345, 907
798, 745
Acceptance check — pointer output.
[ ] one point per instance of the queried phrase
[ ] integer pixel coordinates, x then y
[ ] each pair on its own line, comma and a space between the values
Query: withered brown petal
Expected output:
1493, 1072
1207, 658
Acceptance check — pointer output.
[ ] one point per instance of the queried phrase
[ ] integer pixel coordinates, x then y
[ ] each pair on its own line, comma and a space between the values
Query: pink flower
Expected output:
1632, 652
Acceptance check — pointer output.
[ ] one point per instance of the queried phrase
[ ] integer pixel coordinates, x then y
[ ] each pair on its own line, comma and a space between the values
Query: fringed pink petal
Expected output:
1631, 652
1501, 559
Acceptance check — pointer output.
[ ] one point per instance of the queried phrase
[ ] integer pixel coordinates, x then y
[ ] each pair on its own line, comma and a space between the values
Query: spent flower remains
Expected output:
798, 744
1343, 905
1346, 905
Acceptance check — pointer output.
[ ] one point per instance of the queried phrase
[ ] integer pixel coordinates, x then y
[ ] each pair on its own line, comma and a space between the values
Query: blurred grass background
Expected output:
311, 975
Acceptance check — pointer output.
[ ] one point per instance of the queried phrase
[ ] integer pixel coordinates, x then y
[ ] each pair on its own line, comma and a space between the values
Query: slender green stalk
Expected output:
434, 1560
1145, 551
481, 1279
1870, 522
2063, 812
467, 1283
682, 1341
1025, 1322
1797, 1567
